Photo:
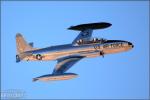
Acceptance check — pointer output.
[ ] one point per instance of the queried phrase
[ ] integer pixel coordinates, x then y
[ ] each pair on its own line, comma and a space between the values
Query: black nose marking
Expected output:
129, 43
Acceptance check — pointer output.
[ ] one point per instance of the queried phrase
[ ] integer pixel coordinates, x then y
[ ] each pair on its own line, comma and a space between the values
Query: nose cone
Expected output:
130, 44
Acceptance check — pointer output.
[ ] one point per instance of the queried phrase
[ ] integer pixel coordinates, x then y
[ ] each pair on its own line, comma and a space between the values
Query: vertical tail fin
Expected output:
22, 46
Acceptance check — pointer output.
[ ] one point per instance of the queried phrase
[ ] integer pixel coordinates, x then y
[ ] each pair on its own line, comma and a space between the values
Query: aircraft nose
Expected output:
129, 43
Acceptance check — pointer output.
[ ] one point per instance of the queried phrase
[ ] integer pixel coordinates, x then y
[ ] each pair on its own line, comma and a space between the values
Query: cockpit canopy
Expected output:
91, 41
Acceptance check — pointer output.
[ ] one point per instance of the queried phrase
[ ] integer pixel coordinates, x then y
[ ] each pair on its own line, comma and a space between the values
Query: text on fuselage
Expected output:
112, 45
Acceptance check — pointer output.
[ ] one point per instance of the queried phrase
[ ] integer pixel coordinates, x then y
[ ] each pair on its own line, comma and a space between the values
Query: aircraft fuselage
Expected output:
85, 50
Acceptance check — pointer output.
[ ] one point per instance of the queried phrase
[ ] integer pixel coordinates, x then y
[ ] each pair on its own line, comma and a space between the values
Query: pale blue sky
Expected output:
118, 76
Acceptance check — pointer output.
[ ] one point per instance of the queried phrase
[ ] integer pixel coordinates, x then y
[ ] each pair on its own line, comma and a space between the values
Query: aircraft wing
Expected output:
84, 35
87, 29
65, 63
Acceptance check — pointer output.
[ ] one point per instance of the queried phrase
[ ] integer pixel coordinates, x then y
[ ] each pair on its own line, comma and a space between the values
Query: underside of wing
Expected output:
65, 63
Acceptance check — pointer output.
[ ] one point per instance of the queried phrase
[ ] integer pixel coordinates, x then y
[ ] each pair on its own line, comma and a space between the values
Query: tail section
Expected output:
22, 46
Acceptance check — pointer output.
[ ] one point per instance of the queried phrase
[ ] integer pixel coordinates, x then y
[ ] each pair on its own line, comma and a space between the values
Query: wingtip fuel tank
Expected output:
55, 77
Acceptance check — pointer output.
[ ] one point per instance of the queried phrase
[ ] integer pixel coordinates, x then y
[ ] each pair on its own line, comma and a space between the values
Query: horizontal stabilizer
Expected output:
55, 77
93, 26
31, 44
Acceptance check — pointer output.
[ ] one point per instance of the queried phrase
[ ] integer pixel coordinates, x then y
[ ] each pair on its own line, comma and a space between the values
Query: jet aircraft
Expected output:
83, 46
